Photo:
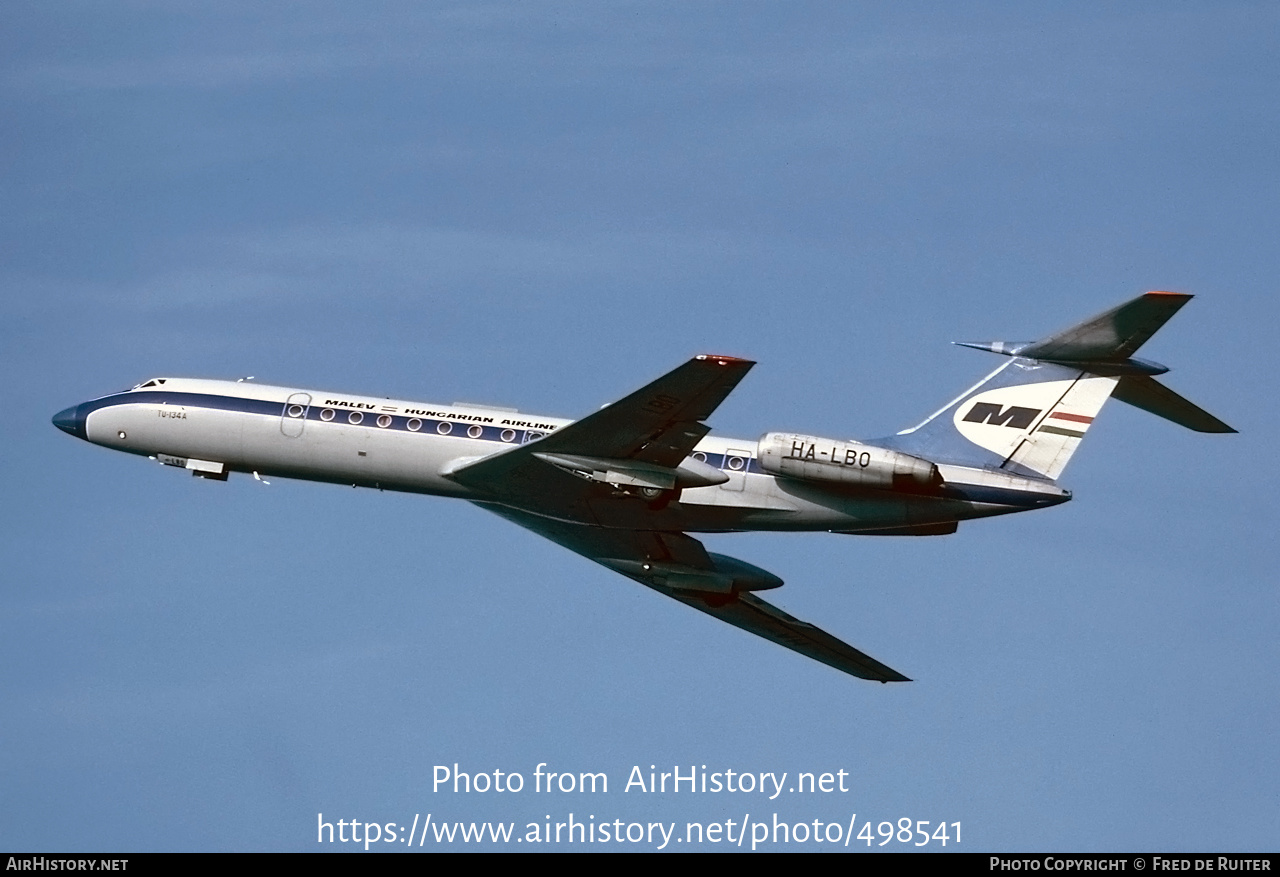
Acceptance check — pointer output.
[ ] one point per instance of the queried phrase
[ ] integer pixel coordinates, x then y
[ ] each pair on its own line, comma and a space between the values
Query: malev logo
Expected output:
1015, 415
1000, 419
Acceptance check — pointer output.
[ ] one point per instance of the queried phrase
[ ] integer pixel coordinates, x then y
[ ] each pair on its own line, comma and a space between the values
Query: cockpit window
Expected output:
154, 382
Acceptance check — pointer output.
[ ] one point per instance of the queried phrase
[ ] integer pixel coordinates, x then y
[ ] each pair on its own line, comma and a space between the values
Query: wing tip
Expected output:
885, 675
720, 359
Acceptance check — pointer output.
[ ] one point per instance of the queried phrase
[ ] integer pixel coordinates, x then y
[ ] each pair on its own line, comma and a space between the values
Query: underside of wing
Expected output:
677, 565
756, 616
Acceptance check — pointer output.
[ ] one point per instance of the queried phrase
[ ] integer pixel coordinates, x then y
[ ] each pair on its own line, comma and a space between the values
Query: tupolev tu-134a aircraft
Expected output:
624, 486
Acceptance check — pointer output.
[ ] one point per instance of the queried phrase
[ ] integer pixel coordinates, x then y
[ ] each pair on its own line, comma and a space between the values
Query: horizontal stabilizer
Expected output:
1145, 392
1111, 336
1102, 345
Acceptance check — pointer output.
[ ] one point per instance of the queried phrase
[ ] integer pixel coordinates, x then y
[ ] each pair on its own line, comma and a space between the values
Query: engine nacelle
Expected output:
810, 458
728, 576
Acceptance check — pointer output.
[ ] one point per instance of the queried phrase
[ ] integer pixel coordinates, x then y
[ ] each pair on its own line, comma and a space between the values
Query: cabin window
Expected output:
414, 425
384, 421
444, 427
326, 415
355, 417
475, 431
508, 435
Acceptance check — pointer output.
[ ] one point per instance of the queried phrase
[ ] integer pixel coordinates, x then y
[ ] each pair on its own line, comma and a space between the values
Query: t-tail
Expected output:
1030, 414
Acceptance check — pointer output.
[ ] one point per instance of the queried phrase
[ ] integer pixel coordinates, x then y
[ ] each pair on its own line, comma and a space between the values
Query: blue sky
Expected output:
546, 206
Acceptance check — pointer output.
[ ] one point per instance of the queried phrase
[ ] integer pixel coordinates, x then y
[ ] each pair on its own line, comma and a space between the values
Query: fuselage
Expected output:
213, 427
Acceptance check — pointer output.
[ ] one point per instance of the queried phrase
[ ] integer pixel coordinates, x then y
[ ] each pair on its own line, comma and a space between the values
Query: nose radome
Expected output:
70, 421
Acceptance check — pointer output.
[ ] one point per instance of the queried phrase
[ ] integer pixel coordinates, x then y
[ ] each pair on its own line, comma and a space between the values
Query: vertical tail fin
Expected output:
1027, 417
1030, 415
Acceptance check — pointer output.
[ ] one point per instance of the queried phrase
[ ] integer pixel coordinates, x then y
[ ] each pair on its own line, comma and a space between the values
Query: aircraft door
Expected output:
294, 416
735, 466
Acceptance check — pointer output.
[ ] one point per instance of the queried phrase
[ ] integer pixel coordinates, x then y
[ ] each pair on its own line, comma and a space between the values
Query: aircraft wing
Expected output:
656, 426
659, 423
677, 565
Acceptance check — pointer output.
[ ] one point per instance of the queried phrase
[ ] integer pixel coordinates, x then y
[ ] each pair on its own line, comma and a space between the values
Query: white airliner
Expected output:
625, 485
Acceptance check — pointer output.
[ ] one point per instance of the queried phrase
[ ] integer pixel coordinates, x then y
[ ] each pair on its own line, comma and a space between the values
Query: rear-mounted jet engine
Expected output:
810, 458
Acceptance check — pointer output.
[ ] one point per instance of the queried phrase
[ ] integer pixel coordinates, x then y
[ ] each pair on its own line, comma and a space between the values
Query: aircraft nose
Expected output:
70, 421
